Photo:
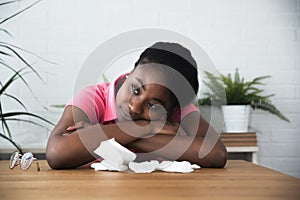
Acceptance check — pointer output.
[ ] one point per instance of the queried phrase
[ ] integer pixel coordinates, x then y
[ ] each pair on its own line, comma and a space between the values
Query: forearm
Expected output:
182, 148
76, 148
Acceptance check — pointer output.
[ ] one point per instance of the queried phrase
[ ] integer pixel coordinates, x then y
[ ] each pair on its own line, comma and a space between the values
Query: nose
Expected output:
135, 107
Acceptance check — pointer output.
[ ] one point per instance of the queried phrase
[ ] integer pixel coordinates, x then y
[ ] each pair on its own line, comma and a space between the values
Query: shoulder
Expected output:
90, 100
180, 113
89, 93
188, 109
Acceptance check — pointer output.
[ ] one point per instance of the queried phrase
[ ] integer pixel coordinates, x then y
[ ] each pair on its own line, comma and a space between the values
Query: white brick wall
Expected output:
259, 36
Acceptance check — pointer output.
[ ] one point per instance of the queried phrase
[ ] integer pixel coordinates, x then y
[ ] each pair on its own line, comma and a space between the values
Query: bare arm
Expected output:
75, 148
186, 147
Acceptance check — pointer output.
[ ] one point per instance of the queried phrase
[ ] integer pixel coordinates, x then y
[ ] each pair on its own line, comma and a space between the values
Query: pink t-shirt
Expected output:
98, 103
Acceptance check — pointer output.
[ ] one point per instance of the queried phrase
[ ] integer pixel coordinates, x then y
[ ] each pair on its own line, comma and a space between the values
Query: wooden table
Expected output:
239, 180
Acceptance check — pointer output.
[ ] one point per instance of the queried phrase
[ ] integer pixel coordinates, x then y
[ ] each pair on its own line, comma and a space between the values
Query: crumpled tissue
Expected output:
118, 158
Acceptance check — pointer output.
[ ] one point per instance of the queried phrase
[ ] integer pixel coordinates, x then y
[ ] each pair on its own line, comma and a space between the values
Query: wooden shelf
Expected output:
241, 143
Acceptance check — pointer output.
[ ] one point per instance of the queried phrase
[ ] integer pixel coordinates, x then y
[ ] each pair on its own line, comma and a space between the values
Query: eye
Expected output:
151, 105
135, 90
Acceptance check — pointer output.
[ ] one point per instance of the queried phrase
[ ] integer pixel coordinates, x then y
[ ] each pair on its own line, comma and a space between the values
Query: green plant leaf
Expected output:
4, 53
58, 105
27, 121
256, 81
10, 50
29, 52
6, 32
22, 59
236, 76
105, 79
8, 2
12, 142
24, 81
12, 69
5, 127
10, 81
16, 99
216, 92
19, 12
269, 107
12, 114
239, 92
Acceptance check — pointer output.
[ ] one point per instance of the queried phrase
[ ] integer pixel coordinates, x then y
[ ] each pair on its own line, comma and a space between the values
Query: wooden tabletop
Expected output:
238, 180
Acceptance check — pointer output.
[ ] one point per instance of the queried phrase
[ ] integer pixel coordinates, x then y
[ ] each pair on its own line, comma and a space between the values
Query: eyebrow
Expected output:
141, 82
144, 88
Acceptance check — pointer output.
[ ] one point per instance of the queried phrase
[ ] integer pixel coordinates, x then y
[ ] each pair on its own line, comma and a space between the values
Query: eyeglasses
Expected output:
25, 161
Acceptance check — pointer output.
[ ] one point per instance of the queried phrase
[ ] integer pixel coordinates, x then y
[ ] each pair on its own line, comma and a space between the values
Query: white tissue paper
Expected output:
118, 158
115, 156
144, 167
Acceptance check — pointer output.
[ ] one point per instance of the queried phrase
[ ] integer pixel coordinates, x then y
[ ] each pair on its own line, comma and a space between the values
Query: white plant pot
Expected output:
236, 118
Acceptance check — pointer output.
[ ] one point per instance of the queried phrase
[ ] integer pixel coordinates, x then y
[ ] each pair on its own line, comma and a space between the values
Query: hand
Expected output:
77, 126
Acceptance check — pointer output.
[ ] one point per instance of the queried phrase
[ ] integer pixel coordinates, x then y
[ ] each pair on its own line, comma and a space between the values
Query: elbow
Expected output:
217, 158
54, 157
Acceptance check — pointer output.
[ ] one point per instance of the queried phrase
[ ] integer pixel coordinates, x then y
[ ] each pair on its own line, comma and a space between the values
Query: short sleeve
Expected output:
179, 114
90, 101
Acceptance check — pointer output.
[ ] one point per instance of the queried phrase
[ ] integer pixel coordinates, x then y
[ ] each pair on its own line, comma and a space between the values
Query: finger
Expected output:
71, 128
79, 125
75, 127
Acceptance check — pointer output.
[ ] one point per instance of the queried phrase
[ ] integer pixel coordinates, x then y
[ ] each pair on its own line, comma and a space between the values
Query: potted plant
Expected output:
236, 96
20, 113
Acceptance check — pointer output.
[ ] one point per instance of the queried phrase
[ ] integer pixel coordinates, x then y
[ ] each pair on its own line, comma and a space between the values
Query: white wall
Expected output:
260, 37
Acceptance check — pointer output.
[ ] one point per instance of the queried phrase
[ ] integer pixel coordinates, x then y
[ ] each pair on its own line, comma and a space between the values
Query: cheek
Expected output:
159, 113
122, 95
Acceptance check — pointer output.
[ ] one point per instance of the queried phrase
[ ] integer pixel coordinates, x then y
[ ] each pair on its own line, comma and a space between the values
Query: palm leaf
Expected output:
19, 12
10, 81
58, 105
3, 122
105, 79
27, 121
6, 32
11, 141
29, 52
22, 59
18, 73
12, 114
16, 99
24, 81
4, 53
269, 107
8, 2
216, 95
10, 50
5, 127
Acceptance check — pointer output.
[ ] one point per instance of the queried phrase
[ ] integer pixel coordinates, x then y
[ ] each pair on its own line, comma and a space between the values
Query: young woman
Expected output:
148, 110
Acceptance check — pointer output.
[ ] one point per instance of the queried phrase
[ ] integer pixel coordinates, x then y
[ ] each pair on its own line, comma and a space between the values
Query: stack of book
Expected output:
239, 139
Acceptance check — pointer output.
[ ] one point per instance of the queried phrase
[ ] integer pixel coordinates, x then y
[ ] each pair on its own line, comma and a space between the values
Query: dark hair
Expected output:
178, 58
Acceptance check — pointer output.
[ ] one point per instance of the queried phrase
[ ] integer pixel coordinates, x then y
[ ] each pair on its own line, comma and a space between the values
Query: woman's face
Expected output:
142, 95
